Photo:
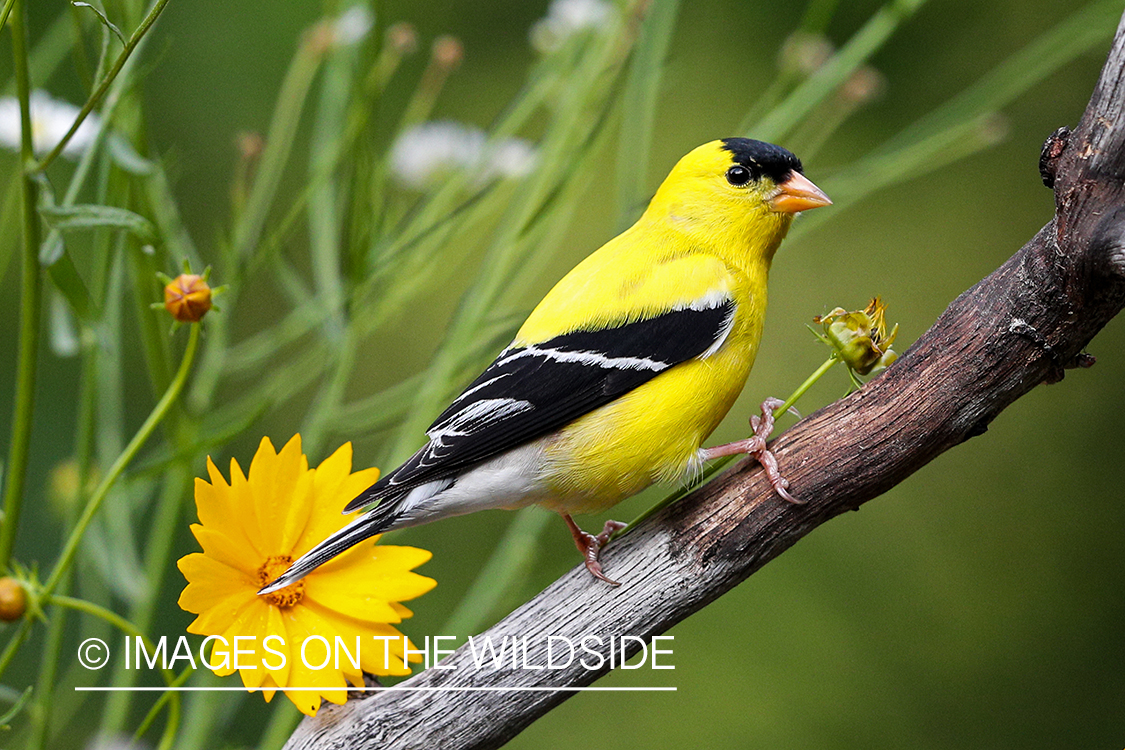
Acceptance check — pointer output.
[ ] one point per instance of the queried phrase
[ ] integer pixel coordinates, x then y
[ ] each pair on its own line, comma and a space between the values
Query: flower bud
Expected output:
402, 37
860, 338
804, 53
864, 85
250, 145
448, 52
187, 298
13, 599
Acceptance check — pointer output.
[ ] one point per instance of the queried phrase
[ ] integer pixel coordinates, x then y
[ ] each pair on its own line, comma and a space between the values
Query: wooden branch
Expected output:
1019, 327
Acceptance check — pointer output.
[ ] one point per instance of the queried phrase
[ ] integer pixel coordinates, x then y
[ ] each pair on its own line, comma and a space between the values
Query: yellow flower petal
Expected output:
220, 547
218, 657
216, 505
359, 606
386, 656
357, 483
214, 579
372, 659
331, 473
276, 627
216, 617
362, 581
223, 655
235, 522
244, 639
242, 504
264, 488
333, 488
301, 624
269, 689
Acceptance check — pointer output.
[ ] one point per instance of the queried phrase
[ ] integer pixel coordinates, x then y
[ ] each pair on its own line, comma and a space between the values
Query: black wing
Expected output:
529, 392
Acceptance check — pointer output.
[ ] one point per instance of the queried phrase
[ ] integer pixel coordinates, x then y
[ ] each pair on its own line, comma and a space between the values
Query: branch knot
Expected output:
1053, 148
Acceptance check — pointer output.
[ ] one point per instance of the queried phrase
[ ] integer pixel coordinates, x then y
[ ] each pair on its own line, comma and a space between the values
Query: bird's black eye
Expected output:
738, 175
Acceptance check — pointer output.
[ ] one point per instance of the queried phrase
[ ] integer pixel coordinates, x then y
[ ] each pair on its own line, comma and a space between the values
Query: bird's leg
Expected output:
591, 546
755, 446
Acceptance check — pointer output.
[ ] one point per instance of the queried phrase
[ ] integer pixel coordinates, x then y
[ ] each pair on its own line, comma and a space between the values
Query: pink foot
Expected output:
755, 446
591, 546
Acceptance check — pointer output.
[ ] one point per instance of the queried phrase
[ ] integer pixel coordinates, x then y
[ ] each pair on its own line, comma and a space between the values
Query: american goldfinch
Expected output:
621, 372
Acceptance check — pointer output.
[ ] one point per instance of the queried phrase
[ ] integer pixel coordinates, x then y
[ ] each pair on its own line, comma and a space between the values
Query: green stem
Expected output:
114, 619
123, 460
173, 711
14, 644
7, 10
803, 387
103, 87
171, 729
158, 548
47, 678
30, 304
324, 412
171, 698
279, 145
810, 93
639, 101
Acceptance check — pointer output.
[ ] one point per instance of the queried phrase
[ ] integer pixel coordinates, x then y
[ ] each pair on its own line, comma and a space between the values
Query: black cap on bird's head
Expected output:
754, 160
763, 159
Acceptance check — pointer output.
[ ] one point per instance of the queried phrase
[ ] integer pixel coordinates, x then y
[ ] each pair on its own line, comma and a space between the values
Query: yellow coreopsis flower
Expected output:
251, 530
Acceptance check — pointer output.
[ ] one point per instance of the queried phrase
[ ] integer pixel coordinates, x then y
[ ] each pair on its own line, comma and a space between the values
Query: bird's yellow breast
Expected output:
653, 433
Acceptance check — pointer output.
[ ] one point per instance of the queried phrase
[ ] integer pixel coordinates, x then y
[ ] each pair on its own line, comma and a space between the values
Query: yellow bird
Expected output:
621, 372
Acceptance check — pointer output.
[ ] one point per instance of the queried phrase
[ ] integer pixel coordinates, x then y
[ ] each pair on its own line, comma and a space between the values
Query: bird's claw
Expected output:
591, 546
757, 447
763, 426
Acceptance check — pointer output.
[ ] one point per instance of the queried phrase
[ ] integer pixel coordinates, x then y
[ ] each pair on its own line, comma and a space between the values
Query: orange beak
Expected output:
798, 193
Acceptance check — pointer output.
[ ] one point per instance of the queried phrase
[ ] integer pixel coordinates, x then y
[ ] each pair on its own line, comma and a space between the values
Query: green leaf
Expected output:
87, 216
105, 21
66, 279
126, 158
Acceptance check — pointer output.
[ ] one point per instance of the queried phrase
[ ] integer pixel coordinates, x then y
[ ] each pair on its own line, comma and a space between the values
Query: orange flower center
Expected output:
270, 570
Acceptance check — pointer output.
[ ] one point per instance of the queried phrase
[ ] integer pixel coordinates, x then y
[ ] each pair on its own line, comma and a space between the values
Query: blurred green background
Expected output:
979, 604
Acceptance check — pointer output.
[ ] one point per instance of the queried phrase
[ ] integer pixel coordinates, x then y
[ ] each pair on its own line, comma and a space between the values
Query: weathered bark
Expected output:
1019, 327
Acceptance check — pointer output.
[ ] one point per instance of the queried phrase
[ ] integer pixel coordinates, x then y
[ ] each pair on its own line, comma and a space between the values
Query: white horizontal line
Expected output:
452, 689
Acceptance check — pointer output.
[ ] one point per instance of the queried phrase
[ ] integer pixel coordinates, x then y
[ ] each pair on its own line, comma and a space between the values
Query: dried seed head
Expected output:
860, 338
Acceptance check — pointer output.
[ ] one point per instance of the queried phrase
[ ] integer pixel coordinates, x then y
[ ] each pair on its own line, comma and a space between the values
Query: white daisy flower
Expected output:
428, 152
352, 25
50, 121
566, 18
511, 157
